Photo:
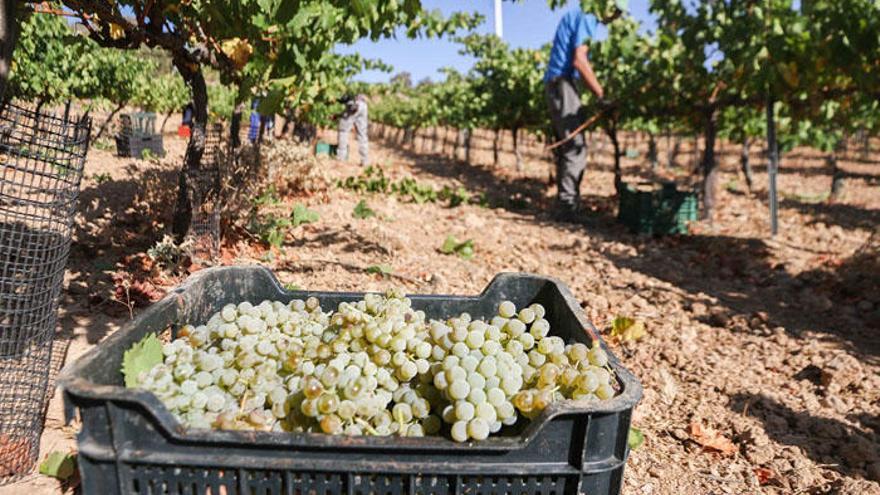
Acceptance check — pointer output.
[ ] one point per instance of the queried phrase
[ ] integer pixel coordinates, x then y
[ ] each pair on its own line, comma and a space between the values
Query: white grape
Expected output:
506, 309
477, 428
459, 431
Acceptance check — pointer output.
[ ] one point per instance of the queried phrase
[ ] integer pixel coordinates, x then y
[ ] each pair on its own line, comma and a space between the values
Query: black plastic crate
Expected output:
130, 444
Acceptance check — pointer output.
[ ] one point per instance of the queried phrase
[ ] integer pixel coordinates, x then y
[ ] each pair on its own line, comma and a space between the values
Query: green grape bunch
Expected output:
376, 366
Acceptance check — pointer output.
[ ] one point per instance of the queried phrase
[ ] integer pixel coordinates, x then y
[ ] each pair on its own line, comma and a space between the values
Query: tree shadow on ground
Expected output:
116, 218
740, 274
349, 241
847, 216
840, 446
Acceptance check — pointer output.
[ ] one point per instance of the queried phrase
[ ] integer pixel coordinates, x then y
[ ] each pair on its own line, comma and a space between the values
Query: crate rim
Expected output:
70, 382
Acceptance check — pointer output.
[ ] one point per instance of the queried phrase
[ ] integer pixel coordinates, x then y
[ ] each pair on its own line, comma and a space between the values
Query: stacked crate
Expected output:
138, 133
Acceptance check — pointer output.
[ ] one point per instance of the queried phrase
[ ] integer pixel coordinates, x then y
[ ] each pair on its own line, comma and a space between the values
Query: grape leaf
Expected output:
140, 358
635, 438
449, 244
301, 215
384, 270
59, 465
464, 249
362, 211
627, 329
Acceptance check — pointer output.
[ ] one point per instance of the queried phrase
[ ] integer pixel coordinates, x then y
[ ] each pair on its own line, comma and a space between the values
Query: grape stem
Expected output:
367, 426
244, 397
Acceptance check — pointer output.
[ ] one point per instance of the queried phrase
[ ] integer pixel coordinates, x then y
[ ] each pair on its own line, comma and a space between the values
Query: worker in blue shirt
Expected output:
568, 67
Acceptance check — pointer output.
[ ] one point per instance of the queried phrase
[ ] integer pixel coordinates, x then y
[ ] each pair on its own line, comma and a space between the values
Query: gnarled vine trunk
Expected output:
106, 123
672, 152
8, 37
652, 151
837, 175
745, 164
709, 165
165, 121
516, 151
496, 144
196, 147
615, 144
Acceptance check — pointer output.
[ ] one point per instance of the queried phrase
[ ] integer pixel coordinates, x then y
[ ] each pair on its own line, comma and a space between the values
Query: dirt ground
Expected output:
773, 344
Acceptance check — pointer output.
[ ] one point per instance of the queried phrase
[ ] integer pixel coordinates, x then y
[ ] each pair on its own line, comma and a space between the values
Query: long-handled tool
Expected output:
592, 120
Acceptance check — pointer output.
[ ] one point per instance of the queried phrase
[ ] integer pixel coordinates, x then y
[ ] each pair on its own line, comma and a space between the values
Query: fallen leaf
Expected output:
764, 475
711, 439
627, 329
668, 389
227, 256
635, 438
59, 465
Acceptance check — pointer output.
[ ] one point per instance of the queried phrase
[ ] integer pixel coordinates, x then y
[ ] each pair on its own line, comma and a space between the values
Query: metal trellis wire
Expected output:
42, 159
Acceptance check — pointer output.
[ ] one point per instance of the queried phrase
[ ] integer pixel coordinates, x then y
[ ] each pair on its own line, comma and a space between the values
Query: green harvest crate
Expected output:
656, 208
323, 148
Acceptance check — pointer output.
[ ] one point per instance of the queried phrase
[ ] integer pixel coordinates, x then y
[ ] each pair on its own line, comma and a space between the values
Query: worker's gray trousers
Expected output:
564, 104
360, 121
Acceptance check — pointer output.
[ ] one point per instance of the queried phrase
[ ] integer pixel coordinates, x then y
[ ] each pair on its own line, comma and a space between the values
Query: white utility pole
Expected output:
499, 23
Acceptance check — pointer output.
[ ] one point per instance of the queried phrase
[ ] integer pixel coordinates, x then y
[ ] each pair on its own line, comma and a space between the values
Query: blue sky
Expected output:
528, 23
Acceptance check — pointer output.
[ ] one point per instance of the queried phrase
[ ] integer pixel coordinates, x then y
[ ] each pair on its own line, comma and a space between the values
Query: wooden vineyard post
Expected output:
773, 166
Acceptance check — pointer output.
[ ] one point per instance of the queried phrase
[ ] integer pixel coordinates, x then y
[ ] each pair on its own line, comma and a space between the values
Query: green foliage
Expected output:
418, 193
452, 246
373, 180
164, 94
384, 270
272, 229
59, 465
140, 358
302, 215
362, 210
627, 329
504, 90
635, 438
45, 59
102, 178
51, 64
456, 197
509, 83
268, 197
221, 102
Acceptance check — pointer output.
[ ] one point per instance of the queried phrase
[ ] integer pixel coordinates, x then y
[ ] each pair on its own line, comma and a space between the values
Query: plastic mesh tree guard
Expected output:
42, 160
204, 187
